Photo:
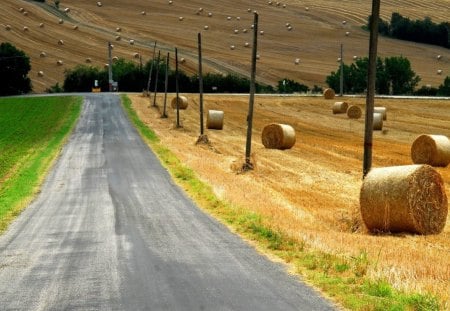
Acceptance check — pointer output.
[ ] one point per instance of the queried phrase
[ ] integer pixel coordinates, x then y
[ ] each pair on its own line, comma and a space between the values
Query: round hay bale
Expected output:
258, 56
261, 32
433, 150
249, 10
8, 27
344, 22
143, 13
118, 29
182, 60
328, 93
131, 42
180, 18
25, 13
60, 21
170, 1
439, 71
59, 62
118, 38
25, 28
75, 27
439, 57
288, 24
21, 10
247, 45
297, 61
238, 18
136, 55
236, 31
244, 30
284, 6
214, 120
340, 107
41, 25
206, 27
42, 54
354, 112
355, 57
60, 42
381, 110
66, 10
289, 28
200, 9
347, 33
40, 73
88, 60
182, 102
307, 9
377, 121
278, 136
408, 198
232, 47
210, 14
228, 18
115, 59
99, 4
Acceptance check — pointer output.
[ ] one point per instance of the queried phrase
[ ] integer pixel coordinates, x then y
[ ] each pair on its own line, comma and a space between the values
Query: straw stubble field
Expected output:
311, 192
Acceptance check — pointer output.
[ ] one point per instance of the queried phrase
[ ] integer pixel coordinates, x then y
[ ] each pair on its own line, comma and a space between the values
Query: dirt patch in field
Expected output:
311, 192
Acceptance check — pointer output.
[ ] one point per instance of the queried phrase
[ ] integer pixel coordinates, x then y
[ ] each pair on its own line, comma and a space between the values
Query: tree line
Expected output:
394, 76
422, 31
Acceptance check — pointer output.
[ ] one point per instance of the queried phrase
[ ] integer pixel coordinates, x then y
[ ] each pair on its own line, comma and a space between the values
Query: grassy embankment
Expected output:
345, 280
32, 131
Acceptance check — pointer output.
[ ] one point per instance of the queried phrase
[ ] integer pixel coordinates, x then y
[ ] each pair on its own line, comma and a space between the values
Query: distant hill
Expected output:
318, 29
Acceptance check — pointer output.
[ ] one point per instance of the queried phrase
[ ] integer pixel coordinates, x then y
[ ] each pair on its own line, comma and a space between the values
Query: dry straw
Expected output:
407, 198
354, 112
377, 121
328, 93
381, 110
431, 149
278, 136
214, 119
340, 107
182, 102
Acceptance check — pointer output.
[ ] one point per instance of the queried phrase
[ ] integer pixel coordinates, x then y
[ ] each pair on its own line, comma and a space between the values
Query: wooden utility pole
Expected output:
110, 76
341, 84
371, 77
177, 87
166, 85
200, 82
248, 165
151, 71
156, 79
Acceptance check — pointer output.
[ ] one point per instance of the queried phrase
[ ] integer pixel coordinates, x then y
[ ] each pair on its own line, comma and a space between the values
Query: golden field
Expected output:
311, 192
315, 38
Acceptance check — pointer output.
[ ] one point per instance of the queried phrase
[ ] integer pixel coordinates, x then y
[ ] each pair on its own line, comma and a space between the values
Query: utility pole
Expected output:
177, 89
248, 165
151, 70
156, 79
166, 85
373, 45
200, 81
341, 89
110, 76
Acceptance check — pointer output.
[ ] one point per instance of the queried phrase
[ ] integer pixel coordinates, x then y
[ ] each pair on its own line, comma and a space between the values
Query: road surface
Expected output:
110, 231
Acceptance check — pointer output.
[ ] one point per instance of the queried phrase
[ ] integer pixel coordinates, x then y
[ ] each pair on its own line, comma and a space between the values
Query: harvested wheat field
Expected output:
305, 51
311, 192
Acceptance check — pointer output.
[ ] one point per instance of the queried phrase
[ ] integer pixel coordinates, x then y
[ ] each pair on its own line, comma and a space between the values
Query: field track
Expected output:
315, 38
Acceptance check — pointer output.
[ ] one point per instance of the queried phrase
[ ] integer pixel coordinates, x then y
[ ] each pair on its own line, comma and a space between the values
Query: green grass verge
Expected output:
32, 131
344, 280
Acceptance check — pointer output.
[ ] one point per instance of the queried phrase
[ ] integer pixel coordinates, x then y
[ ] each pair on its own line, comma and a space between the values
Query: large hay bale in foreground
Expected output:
354, 112
407, 198
214, 120
278, 136
182, 102
431, 149
381, 110
377, 121
328, 93
340, 107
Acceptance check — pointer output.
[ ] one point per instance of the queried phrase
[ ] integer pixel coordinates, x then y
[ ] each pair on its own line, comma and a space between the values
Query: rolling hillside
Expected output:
315, 38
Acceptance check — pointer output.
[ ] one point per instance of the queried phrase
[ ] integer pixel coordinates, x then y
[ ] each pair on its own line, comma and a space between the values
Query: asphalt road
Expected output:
110, 231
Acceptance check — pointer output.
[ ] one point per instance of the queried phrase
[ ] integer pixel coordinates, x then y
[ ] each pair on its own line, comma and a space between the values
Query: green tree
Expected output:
14, 68
444, 89
82, 77
402, 78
